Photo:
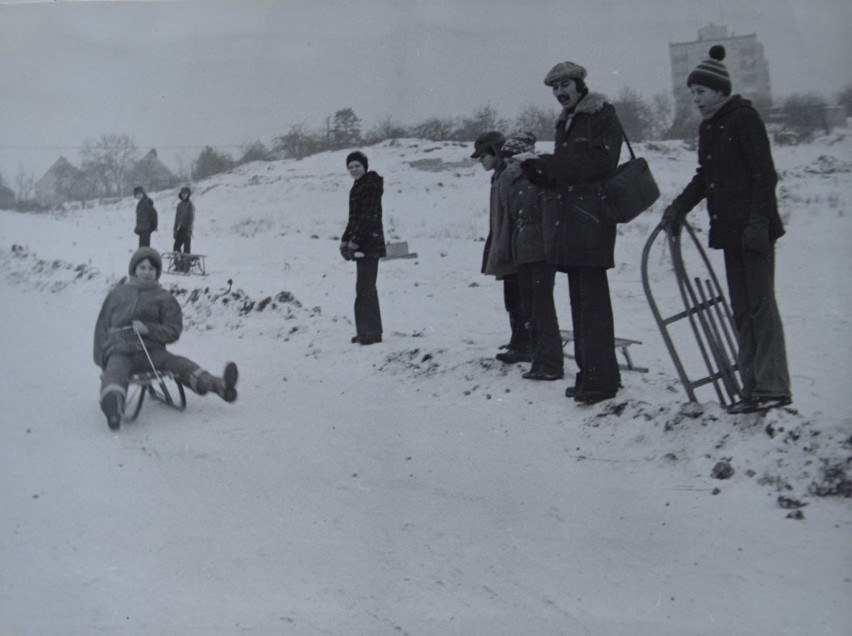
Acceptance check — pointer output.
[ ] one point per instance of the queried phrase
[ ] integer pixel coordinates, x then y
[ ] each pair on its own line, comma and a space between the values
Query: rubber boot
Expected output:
112, 404
224, 387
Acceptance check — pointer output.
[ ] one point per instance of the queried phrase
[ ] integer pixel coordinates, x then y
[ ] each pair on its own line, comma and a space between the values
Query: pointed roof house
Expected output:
62, 182
151, 174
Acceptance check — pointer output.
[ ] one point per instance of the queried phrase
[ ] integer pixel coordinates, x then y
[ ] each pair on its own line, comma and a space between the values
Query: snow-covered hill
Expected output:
416, 486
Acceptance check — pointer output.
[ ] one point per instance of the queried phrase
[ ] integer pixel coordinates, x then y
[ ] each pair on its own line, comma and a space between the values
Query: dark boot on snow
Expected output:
112, 404
224, 387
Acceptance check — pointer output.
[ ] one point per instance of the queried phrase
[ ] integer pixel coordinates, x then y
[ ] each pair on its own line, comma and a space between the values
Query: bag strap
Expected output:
629, 147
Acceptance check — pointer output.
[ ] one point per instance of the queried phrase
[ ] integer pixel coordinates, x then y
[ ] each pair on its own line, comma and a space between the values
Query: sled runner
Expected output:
621, 344
179, 263
708, 314
157, 386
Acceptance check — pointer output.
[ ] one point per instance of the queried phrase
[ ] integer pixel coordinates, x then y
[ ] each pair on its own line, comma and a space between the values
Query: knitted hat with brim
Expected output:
518, 143
712, 73
563, 71
149, 254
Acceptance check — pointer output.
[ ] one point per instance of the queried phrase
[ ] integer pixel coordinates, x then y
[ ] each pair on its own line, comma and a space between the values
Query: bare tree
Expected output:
24, 182
345, 129
537, 120
297, 143
385, 129
484, 118
662, 115
435, 129
107, 160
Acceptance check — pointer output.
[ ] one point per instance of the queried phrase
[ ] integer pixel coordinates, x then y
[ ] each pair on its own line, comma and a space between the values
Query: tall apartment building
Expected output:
744, 60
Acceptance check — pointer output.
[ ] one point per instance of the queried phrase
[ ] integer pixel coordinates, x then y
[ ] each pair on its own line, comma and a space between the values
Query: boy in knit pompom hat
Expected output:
736, 176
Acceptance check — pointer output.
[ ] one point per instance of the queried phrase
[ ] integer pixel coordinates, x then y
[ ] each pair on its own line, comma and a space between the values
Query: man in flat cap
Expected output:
577, 241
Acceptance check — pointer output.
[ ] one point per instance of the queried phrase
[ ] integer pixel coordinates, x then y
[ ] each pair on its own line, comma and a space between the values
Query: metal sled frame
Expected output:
196, 262
157, 385
709, 316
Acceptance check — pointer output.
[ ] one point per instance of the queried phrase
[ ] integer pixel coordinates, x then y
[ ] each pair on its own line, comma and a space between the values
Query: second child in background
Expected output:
497, 254
522, 202
184, 220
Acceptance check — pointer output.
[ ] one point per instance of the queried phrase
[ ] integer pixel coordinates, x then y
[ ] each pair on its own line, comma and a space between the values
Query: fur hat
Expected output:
563, 71
712, 73
358, 156
149, 254
487, 142
518, 143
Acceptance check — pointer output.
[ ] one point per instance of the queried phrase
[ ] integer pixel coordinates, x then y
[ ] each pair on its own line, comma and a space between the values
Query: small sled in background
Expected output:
180, 263
708, 314
398, 250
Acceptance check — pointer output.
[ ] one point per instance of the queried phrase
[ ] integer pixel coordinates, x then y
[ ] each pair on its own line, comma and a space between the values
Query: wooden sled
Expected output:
708, 314
185, 264
158, 387
621, 344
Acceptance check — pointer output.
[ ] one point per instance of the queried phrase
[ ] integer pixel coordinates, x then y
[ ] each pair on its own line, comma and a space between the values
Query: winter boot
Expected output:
112, 404
224, 387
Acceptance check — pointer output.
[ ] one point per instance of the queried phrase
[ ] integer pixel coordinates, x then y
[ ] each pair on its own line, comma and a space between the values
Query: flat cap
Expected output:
564, 70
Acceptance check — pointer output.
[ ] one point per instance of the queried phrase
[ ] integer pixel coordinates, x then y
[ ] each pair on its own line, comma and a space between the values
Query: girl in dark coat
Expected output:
363, 241
736, 176
146, 217
184, 220
140, 307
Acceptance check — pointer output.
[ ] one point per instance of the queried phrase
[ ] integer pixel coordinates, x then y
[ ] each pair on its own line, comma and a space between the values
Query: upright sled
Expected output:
708, 315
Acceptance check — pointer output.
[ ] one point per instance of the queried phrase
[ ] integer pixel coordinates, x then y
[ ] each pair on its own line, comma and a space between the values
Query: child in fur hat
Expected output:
140, 311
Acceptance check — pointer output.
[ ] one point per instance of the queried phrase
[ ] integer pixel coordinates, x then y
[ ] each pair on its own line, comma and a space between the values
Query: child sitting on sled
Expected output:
136, 322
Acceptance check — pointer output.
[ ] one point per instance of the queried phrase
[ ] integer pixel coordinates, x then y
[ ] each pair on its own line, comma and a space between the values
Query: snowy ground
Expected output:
416, 486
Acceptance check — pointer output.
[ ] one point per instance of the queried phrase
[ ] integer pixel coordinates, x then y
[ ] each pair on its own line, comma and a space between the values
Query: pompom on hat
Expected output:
563, 71
518, 143
149, 254
358, 156
712, 73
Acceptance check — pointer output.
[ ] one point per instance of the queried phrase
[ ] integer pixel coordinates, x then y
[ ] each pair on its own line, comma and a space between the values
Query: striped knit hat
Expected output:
712, 73
518, 143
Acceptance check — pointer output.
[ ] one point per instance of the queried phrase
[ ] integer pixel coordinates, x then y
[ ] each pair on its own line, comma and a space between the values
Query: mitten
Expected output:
354, 251
534, 172
672, 221
344, 250
756, 234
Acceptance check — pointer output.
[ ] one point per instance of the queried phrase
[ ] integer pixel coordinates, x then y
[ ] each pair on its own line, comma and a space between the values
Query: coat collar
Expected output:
590, 104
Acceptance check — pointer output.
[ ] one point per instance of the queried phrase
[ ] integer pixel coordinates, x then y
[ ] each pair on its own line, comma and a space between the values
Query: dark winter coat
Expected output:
735, 174
184, 216
150, 304
146, 216
497, 255
365, 216
587, 150
522, 201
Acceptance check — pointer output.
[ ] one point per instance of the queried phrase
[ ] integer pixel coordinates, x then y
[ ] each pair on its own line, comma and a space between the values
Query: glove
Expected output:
756, 234
534, 172
344, 251
354, 251
672, 221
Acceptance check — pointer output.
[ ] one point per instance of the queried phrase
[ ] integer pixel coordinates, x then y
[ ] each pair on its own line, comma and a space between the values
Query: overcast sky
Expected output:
177, 76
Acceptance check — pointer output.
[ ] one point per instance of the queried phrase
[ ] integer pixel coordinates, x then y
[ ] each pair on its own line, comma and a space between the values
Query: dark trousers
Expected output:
762, 356
368, 316
518, 318
120, 367
594, 330
182, 241
536, 287
145, 239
